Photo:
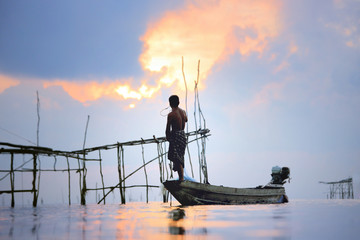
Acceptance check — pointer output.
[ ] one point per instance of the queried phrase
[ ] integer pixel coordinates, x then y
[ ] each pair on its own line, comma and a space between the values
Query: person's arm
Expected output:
167, 131
184, 119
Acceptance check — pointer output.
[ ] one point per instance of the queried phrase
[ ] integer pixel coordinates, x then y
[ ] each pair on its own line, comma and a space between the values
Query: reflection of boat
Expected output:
193, 193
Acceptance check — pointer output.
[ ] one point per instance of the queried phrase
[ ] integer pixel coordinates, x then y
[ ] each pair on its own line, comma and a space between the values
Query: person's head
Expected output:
174, 101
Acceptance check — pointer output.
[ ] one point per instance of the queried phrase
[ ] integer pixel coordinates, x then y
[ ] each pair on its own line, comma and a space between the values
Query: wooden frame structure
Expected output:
342, 189
81, 157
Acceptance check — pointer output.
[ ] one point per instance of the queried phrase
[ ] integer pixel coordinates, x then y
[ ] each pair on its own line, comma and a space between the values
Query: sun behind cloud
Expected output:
209, 31
85, 91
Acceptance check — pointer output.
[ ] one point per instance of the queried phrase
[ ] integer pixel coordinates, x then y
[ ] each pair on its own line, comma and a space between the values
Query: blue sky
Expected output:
279, 82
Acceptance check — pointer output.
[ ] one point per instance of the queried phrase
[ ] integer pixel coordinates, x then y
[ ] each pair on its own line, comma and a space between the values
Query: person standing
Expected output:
175, 134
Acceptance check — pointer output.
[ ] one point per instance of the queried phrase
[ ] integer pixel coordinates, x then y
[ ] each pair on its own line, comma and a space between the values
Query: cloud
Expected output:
205, 30
7, 82
282, 66
270, 92
87, 91
292, 49
209, 31
347, 22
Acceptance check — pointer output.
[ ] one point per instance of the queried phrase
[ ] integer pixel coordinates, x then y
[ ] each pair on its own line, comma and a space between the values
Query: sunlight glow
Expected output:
83, 91
209, 31
127, 93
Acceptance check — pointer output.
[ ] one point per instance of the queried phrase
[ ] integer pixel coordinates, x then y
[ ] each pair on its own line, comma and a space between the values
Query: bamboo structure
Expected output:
341, 189
80, 157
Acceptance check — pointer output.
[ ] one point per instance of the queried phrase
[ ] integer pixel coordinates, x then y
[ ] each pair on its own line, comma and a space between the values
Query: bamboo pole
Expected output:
38, 118
164, 160
161, 167
128, 143
187, 125
44, 170
69, 183
119, 173
55, 161
86, 128
132, 186
196, 127
83, 190
123, 174
16, 191
12, 180
161, 170
37, 144
146, 177
34, 181
79, 171
101, 173
38, 182
201, 153
120, 153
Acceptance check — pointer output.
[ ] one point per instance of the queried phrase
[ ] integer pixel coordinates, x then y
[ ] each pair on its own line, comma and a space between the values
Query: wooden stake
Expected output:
101, 174
34, 180
120, 171
146, 177
12, 180
69, 183
79, 171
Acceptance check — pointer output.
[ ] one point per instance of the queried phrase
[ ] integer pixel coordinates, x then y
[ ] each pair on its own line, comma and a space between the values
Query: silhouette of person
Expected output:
175, 134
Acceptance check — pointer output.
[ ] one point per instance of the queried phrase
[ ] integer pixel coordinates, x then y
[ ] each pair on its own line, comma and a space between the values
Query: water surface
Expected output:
299, 219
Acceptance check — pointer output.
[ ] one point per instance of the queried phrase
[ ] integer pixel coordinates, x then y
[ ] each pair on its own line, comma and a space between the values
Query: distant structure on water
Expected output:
342, 189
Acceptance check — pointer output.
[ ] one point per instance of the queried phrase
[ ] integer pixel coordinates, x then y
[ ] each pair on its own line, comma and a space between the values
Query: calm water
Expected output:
299, 219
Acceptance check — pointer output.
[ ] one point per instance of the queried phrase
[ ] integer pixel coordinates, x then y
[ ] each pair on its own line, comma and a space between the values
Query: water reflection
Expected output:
301, 220
12, 219
176, 226
36, 222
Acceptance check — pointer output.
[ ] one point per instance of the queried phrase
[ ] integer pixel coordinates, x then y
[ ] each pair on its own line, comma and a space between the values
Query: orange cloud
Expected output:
280, 67
7, 82
86, 91
209, 31
292, 49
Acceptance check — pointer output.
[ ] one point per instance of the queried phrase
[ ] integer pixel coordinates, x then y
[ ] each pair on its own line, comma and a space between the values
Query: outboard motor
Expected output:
279, 175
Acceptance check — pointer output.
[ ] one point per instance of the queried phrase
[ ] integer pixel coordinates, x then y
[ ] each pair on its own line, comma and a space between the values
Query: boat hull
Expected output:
193, 193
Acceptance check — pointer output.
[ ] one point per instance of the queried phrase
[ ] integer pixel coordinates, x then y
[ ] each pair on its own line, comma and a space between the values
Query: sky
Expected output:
279, 82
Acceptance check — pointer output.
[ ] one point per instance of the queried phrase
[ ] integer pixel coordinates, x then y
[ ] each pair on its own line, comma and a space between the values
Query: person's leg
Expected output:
181, 173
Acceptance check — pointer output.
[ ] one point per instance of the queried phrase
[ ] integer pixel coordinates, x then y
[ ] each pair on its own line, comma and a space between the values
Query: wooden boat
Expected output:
194, 193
